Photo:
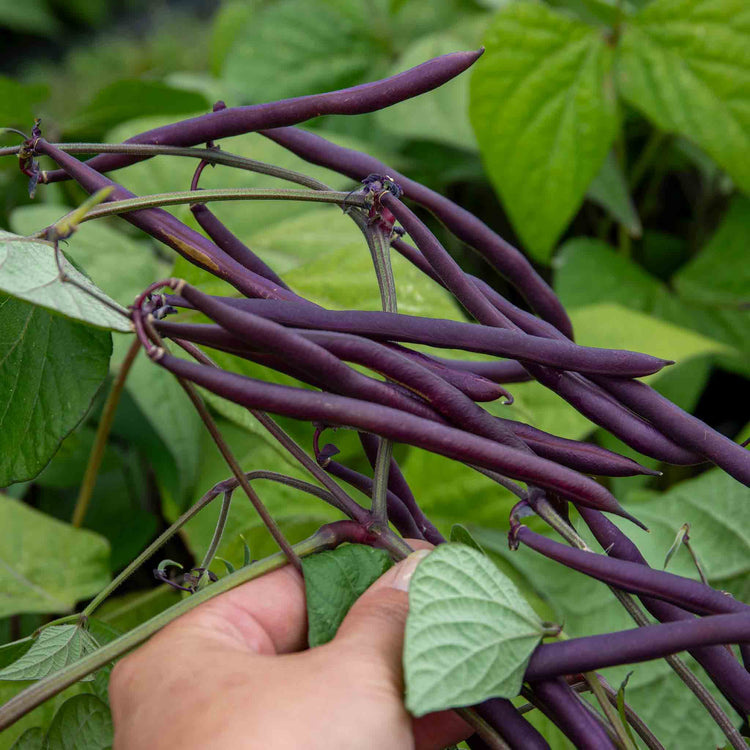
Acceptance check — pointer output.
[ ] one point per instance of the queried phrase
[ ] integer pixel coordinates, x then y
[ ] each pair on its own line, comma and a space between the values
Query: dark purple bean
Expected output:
503, 716
163, 226
684, 428
398, 426
584, 457
508, 261
720, 665
503, 371
232, 245
633, 577
452, 334
357, 100
302, 354
638, 644
571, 716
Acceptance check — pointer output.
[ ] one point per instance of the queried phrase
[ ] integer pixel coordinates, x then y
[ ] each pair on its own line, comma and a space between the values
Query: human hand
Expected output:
232, 673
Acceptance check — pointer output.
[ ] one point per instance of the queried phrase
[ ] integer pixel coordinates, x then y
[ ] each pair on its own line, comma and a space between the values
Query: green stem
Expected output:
379, 508
221, 194
609, 710
645, 159
102, 433
221, 524
326, 537
491, 738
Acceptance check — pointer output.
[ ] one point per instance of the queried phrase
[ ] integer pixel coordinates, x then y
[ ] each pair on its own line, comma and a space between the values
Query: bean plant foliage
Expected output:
230, 343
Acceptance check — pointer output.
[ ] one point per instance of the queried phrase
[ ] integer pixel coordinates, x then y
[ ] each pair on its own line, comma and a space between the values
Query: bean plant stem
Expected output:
102, 433
326, 537
221, 194
379, 507
491, 738
546, 511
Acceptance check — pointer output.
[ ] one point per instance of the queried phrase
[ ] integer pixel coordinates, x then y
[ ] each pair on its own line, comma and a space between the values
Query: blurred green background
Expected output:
609, 141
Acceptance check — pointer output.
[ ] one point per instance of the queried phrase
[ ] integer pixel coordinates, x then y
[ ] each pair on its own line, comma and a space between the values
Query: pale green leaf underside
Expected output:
686, 65
544, 113
334, 580
46, 565
28, 271
469, 634
55, 648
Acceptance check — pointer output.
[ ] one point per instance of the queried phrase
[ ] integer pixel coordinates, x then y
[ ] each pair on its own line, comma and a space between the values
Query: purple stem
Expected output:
639, 644
357, 100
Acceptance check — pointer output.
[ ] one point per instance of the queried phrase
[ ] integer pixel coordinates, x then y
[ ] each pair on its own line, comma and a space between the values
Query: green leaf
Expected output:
31, 739
46, 565
32, 17
461, 535
55, 648
609, 189
440, 115
10, 652
469, 633
334, 580
117, 263
684, 64
81, 723
616, 327
132, 99
545, 114
50, 371
126, 611
291, 35
18, 101
719, 274
28, 271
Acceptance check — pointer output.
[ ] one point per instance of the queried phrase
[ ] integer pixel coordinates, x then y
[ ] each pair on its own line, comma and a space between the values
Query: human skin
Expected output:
234, 673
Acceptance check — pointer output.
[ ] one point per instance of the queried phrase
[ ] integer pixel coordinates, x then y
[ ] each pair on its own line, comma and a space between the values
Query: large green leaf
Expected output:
55, 648
81, 723
685, 64
469, 633
609, 189
544, 112
28, 271
31, 739
441, 115
46, 565
50, 370
720, 274
334, 580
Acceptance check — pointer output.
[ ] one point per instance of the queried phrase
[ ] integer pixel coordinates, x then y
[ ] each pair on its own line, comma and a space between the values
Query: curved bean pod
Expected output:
638, 644
356, 100
395, 425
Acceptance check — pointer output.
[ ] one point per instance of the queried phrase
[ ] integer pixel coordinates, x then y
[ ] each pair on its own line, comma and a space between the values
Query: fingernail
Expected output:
406, 569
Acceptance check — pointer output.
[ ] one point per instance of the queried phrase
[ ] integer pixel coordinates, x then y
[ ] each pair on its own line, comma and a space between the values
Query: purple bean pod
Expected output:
687, 430
639, 579
503, 716
720, 665
570, 715
395, 425
638, 644
451, 334
356, 100
506, 259
302, 354
503, 371
167, 229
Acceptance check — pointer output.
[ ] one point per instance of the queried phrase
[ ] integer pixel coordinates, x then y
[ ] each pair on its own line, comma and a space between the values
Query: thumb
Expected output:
374, 626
